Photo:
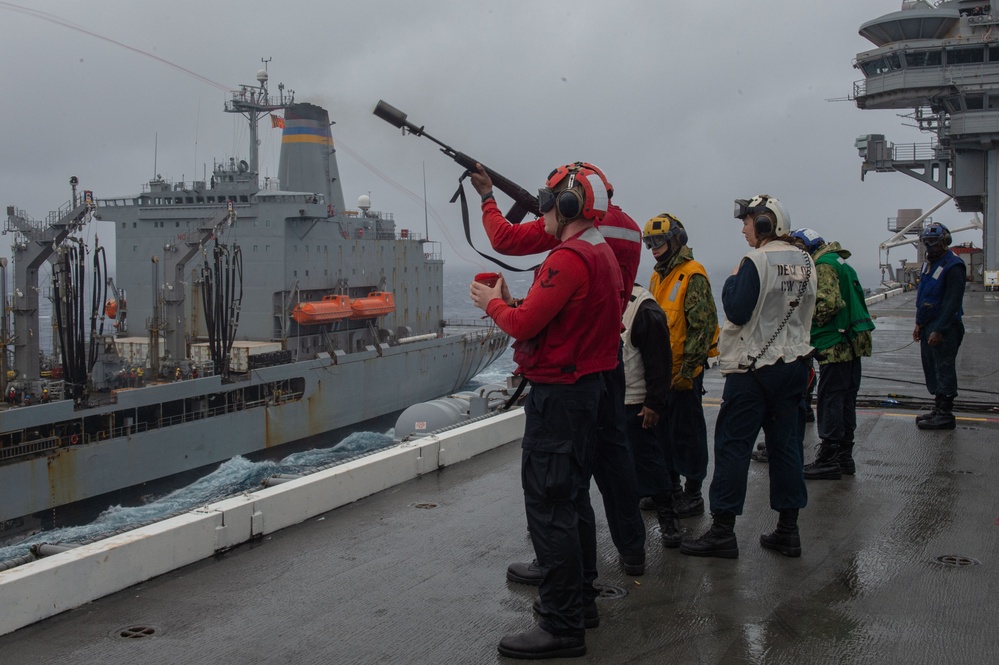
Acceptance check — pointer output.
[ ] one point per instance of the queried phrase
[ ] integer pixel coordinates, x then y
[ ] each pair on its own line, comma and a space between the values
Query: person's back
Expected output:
764, 354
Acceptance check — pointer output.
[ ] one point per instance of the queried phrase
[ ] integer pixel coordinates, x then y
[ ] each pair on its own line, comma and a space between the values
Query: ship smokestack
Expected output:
308, 159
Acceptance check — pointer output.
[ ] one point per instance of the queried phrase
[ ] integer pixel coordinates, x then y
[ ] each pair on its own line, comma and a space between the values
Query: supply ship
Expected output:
267, 314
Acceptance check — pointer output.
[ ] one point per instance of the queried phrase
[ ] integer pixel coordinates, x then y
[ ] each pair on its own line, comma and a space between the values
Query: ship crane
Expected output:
37, 242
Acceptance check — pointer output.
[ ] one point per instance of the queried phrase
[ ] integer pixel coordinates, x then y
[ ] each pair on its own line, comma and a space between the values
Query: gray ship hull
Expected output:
336, 393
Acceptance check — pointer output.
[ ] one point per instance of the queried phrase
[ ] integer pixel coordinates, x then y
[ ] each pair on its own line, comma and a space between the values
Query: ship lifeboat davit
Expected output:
327, 310
111, 308
377, 303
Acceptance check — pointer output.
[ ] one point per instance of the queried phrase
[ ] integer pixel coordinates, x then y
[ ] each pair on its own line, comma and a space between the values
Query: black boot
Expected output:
669, 525
539, 643
825, 466
688, 504
944, 417
931, 413
785, 538
717, 541
845, 458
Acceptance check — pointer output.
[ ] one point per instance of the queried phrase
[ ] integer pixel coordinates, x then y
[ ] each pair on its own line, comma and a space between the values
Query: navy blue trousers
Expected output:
772, 398
556, 465
940, 361
836, 400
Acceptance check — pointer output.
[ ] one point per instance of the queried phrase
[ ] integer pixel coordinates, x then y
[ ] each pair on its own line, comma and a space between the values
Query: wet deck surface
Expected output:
900, 563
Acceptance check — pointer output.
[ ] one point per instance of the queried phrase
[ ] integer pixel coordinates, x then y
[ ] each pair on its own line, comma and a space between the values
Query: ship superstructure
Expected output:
941, 62
217, 273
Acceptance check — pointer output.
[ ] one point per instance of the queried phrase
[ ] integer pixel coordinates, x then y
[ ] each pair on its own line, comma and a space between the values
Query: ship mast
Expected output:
255, 101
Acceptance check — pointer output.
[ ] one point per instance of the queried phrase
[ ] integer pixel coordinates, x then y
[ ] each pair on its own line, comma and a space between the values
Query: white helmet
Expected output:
765, 203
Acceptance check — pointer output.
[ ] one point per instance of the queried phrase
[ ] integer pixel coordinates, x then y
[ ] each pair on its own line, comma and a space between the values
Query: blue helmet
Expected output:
809, 239
935, 232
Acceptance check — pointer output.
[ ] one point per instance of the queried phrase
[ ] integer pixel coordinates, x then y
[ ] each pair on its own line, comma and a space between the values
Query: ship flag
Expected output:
277, 121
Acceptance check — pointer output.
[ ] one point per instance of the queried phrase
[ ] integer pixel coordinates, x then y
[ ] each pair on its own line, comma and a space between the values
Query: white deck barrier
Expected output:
883, 296
46, 587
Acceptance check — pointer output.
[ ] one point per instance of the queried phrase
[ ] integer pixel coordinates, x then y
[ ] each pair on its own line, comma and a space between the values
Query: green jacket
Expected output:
841, 325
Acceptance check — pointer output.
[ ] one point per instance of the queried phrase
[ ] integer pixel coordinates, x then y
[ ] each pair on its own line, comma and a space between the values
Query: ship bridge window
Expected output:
881, 65
924, 59
965, 56
199, 199
243, 199
190, 199
974, 102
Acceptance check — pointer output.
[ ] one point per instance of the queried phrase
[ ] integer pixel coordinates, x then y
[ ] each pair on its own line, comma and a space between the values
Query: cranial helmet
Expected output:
574, 191
662, 229
935, 232
763, 203
809, 239
607, 185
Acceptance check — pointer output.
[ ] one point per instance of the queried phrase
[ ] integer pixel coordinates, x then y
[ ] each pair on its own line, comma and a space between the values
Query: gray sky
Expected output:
685, 106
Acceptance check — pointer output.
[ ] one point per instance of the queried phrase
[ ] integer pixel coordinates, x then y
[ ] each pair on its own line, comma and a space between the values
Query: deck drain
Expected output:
610, 591
425, 506
134, 632
956, 560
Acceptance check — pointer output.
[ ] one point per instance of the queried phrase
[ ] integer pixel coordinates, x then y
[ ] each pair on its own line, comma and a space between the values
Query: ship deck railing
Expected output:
48, 444
30, 448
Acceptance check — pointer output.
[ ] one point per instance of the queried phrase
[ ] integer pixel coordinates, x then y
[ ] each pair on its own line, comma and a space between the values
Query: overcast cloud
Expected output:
686, 106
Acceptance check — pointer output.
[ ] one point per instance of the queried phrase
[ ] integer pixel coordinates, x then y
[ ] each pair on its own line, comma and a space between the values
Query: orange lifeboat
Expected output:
111, 308
376, 304
327, 310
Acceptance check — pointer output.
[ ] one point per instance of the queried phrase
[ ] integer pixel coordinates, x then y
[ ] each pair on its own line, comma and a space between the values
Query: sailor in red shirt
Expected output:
567, 333
613, 467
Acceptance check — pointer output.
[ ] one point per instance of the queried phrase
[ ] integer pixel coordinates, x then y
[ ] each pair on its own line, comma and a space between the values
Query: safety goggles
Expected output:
742, 208
546, 199
655, 241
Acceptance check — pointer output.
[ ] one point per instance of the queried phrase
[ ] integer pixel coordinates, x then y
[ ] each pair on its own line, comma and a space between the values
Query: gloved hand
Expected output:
681, 384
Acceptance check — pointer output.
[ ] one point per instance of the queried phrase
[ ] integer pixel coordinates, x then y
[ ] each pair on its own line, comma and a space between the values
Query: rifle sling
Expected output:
460, 195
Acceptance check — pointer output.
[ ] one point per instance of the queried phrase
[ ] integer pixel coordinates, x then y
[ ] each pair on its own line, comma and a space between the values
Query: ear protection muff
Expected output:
763, 226
677, 233
569, 203
584, 194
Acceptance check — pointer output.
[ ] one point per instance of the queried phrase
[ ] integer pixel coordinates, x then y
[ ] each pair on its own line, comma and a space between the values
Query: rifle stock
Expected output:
523, 201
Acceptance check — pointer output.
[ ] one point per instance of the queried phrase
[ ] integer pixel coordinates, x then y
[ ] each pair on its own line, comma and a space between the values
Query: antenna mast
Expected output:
254, 101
